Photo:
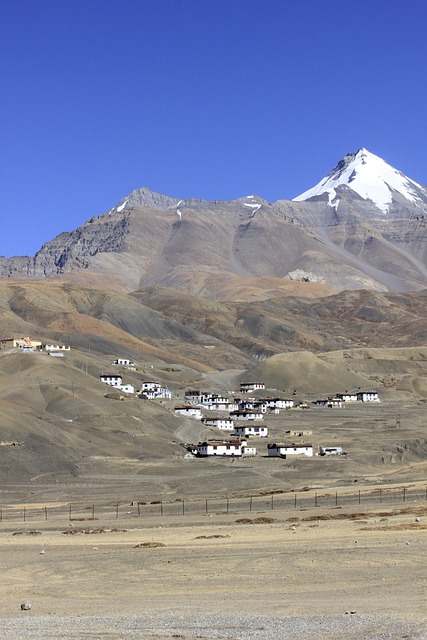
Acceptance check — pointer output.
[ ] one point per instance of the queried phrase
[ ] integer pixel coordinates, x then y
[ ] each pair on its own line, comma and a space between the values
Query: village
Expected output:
241, 418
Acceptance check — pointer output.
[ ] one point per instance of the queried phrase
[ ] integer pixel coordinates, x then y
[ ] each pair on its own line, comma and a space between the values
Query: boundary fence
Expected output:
139, 508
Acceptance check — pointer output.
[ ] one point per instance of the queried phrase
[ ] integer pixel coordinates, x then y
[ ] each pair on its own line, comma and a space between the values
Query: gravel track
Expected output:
209, 627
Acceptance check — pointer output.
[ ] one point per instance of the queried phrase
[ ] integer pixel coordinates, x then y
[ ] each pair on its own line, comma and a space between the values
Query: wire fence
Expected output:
181, 507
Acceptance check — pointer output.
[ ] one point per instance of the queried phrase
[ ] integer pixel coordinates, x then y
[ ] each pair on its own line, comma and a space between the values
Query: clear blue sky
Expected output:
208, 98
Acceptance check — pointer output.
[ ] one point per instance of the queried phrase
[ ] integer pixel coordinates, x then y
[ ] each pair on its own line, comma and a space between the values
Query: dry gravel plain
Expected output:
284, 575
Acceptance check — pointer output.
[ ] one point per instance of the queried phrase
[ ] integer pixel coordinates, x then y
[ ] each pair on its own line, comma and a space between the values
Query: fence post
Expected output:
272, 501
381, 495
139, 509
228, 504
161, 507
404, 494
117, 511
206, 505
183, 507
336, 498
315, 499
295, 500
250, 504
69, 511
359, 496
93, 512
25, 514
45, 513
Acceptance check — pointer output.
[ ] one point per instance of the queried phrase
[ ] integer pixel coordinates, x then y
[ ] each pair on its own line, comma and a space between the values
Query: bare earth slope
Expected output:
70, 432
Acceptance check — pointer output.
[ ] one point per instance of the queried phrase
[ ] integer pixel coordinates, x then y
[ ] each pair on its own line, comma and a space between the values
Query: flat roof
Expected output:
290, 444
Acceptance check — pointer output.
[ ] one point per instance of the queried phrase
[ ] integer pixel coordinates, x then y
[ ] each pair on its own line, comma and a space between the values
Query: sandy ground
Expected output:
293, 577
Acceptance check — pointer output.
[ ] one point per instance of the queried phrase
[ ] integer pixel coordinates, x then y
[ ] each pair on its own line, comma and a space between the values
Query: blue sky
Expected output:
214, 99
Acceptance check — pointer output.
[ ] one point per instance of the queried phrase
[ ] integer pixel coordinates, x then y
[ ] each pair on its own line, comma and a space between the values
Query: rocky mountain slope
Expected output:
363, 226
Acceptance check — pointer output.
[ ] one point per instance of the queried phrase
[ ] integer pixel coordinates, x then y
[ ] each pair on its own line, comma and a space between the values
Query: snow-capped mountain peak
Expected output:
370, 177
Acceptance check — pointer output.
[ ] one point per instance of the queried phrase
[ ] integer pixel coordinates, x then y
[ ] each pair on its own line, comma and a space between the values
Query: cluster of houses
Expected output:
238, 408
340, 399
149, 390
242, 424
27, 344
238, 447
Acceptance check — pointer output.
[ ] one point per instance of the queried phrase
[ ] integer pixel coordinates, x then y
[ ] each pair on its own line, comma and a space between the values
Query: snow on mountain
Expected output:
370, 177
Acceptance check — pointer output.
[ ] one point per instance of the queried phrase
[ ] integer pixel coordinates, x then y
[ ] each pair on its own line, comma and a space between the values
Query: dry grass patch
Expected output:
73, 532
259, 520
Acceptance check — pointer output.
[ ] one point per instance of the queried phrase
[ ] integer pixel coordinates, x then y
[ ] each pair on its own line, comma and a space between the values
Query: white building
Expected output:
334, 403
149, 385
116, 382
111, 379
368, 396
224, 424
278, 403
246, 415
189, 411
331, 451
193, 396
220, 448
251, 430
156, 393
127, 388
347, 397
124, 362
248, 451
331, 403
212, 398
219, 405
249, 387
56, 347
291, 449
253, 405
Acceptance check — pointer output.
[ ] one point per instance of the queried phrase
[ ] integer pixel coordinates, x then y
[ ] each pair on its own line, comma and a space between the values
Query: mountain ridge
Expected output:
335, 237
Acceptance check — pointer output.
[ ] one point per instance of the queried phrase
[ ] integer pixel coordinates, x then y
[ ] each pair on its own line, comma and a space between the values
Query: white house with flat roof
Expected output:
368, 396
290, 449
127, 388
189, 411
116, 381
124, 362
247, 430
149, 385
220, 405
193, 396
253, 405
347, 397
248, 451
51, 347
246, 414
249, 387
227, 448
152, 390
111, 379
331, 451
278, 403
224, 424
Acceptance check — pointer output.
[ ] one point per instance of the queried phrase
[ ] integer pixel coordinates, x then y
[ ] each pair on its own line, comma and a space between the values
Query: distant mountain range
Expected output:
361, 227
